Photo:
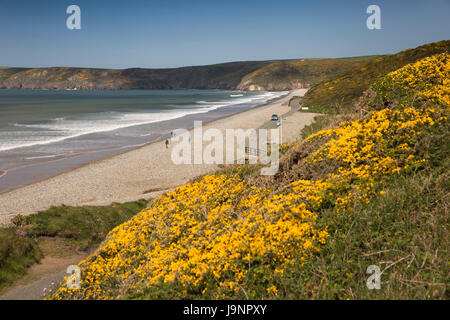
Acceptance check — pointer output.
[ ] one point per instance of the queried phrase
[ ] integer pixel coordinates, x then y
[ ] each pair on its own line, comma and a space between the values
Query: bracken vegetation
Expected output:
372, 189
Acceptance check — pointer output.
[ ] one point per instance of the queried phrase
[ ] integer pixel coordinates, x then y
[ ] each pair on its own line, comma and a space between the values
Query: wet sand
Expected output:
127, 176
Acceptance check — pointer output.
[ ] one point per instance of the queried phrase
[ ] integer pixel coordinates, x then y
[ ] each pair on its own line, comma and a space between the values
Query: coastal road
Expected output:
272, 124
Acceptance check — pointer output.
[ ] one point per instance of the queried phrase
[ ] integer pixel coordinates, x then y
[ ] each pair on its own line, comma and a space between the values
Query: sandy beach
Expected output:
129, 176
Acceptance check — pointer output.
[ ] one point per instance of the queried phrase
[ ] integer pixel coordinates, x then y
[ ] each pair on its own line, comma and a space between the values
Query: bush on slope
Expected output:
339, 203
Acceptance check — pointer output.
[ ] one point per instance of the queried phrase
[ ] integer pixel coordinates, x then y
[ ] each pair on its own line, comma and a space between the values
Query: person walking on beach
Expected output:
167, 143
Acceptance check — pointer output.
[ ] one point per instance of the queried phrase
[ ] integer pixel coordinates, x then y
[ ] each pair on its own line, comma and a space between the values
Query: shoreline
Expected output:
127, 175
108, 152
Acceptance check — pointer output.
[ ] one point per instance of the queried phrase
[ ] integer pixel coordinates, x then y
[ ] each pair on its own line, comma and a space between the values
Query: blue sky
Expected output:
165, 33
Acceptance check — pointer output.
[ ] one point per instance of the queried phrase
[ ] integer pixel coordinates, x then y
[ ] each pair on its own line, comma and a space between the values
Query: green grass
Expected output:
404, 232
341, 91
82, 228
243, 171
319, 123
17, 253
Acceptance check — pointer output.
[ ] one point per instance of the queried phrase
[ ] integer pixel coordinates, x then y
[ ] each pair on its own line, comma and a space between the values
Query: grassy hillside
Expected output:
285, 75
370, 190
343, 89
75, 228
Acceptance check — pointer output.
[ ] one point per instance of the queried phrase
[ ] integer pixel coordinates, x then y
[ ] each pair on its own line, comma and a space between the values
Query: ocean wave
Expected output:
42, 157
59, 119
62, 128
258, 99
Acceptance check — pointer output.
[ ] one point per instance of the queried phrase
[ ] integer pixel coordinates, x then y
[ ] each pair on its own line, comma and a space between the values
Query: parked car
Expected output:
274, 117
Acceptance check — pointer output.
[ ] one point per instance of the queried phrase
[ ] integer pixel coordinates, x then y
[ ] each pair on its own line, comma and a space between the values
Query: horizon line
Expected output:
199, 65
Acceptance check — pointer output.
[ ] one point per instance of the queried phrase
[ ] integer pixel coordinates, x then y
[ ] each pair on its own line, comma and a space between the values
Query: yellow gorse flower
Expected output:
210, 228
216, 229
427, 79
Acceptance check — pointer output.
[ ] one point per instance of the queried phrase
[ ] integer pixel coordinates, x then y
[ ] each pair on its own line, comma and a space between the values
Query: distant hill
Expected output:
343, 89
332, 81
291, 74
220, 76
250, 75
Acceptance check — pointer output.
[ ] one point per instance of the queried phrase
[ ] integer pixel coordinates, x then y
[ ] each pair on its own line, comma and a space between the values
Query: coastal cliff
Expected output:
222, 76
249, 75
298, 74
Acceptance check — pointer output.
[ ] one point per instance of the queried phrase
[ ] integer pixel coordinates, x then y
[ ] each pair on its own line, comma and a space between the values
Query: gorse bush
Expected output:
223, 237
217, 231
342, 90
286, 75
428, 80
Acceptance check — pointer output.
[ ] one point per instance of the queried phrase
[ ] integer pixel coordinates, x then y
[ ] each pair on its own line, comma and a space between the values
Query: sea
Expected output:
40, 128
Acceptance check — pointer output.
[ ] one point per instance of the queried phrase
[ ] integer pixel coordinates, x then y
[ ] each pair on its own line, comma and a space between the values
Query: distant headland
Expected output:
272, 75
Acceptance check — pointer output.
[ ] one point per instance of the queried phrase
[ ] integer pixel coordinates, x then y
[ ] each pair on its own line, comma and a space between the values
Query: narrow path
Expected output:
51, 270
